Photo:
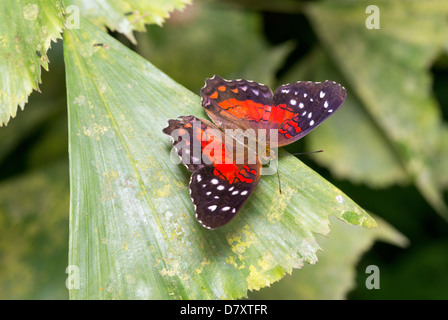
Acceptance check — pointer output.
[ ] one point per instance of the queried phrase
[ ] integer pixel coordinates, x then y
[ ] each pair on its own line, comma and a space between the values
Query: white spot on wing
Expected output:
220, 188
293, 102
322, 94
244, 193
213, 207
215, 181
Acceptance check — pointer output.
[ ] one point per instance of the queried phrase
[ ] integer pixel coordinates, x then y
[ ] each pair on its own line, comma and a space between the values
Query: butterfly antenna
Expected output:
279, 182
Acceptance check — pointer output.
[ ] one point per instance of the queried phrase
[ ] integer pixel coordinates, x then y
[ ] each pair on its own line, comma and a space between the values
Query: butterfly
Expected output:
225, 166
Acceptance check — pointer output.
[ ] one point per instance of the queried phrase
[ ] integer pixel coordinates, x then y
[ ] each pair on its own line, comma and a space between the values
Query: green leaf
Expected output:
132, 228
27, 28
125, 16
334, 276
33, 237
386, 68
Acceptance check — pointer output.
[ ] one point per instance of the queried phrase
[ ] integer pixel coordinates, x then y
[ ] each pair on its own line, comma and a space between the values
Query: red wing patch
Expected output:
199, 143
218, 186
237, 104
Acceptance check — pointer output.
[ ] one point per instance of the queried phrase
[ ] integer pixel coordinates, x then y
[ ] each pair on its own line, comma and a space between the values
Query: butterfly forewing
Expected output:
186, 133
237, 104
300, 107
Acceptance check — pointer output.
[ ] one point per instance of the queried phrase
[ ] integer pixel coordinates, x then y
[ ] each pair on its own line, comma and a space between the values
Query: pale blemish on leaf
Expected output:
279, 204
176, 233
163, 192
169, 273
241, 241
96, 131
110, 176
87, 49
172, 269
231, 260
256, 280
30, 12
204, 262
80, 100
267, 262
107, 190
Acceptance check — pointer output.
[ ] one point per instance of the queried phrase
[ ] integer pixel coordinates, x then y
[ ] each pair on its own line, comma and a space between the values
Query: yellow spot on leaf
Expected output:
240, 242
95, 131
279, 204
255, 279
203, 263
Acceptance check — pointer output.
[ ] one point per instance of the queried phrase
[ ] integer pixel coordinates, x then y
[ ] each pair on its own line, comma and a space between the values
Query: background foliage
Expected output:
385, 148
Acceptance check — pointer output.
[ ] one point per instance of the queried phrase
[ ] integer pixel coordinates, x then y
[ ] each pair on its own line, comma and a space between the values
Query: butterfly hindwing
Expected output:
300, 107
218, 198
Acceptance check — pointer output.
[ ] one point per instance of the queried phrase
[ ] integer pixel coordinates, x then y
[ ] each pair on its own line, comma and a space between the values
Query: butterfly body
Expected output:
225, 157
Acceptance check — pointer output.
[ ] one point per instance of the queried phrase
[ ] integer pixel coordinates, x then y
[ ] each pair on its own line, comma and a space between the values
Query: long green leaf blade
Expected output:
132, 228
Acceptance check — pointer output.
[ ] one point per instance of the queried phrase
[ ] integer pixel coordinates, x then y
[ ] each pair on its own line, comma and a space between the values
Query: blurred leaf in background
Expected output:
33, 241
215, 40
387, 69
127, 16
334, 276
